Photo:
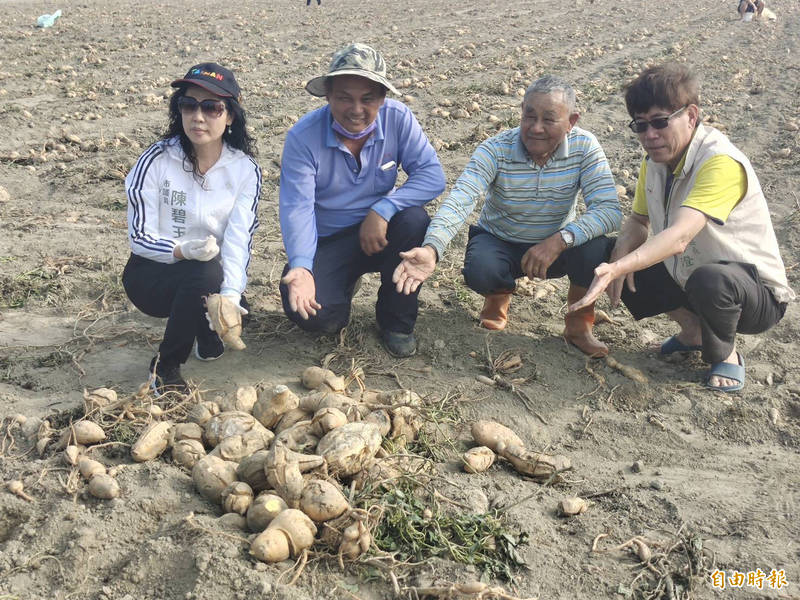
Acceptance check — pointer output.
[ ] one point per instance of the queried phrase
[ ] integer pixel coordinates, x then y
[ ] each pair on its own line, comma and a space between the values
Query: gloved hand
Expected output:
235, 298
202, 250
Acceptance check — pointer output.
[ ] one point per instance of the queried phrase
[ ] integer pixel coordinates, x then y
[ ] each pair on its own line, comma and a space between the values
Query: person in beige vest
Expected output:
713, 263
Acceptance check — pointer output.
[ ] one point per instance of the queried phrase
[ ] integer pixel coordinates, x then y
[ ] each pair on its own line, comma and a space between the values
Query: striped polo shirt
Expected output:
526, 203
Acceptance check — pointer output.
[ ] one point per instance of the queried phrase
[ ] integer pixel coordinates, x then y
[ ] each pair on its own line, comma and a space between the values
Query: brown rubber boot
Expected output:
494, 314
578, 330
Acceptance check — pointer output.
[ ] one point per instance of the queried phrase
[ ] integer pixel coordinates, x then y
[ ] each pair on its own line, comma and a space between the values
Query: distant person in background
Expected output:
751, 6
712, 263
341, 211
192, 210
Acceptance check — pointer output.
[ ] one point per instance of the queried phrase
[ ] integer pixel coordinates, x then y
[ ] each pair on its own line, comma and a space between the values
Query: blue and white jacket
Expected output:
168, 204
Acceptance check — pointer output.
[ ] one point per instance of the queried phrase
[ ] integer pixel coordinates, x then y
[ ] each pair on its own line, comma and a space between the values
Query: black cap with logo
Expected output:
212, 77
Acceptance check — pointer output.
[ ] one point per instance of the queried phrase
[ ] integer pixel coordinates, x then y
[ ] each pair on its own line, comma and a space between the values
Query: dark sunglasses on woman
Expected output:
211, 108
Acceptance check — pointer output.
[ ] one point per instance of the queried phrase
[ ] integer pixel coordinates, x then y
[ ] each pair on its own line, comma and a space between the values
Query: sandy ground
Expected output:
80, 101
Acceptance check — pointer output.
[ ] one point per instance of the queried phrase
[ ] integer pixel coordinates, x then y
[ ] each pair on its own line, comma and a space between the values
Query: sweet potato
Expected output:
478, 459
186, 431
283, 473
86, 432
251, 471
186, 453
534, 464
90, 468
288, 534
227, 424
349, 448
290, 418
264, 508
237, 447
322, 500
97, 399
103, 486
237, 497
201, 413
273, 404
569, 507
491, 433
382, 419
301, 437
326, 419
313, 377
211, 475
356, 540
152, 441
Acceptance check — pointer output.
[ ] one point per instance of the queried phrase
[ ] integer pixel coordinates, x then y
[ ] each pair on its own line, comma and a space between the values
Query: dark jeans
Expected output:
727, 297
492, 265
339, 262
173, 291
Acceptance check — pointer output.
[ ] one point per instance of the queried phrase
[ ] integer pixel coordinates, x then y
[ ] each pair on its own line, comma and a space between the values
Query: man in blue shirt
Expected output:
341, 214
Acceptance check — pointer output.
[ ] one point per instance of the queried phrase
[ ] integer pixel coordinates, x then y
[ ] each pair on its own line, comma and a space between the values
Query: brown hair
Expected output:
669, 86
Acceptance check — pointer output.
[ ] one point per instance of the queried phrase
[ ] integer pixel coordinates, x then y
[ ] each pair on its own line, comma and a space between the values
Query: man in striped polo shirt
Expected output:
529, 178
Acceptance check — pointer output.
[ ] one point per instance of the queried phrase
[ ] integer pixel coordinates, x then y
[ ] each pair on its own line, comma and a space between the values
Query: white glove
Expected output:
234, 297
202, 250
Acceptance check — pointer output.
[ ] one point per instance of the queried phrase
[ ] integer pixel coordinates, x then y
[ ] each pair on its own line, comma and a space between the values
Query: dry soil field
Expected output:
717, 483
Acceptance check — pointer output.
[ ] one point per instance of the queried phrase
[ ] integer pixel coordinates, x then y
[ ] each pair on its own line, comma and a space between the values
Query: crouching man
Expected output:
529, 178
340, 212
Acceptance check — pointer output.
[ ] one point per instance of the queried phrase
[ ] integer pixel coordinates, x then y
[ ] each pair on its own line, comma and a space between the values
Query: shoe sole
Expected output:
209, 359
157, 392
392, 354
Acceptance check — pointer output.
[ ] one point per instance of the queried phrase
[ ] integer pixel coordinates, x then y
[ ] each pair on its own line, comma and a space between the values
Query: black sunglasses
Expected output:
211, 108
640, 126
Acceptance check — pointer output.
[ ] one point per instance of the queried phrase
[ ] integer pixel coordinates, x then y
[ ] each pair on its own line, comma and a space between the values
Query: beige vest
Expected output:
747, 236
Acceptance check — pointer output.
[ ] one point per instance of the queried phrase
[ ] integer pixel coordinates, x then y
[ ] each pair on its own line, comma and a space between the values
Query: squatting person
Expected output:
713, 263
341, 214
192, 210
529, 178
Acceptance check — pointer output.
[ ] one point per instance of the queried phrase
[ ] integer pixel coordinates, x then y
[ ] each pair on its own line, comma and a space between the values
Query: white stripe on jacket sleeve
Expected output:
141, 186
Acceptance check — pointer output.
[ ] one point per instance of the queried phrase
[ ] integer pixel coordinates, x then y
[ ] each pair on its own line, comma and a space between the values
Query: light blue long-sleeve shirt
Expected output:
525, 202
322, 190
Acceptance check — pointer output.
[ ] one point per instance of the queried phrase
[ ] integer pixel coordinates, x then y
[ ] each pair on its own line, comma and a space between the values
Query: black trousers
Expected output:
174, 291
493, 265
727, 297
339, 262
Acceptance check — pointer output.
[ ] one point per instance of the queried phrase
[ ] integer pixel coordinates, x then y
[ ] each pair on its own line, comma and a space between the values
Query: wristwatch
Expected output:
568, 237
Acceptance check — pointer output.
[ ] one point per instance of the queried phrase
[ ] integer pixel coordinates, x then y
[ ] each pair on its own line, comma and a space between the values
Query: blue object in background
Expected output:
48, 20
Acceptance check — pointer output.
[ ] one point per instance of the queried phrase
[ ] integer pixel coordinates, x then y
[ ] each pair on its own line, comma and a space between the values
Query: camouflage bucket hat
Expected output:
355, 59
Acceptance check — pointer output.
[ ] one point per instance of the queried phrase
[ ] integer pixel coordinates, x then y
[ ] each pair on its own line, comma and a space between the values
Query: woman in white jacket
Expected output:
192, 211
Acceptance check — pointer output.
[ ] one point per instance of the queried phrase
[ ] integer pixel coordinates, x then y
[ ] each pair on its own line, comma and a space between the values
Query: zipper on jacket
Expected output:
669, 185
